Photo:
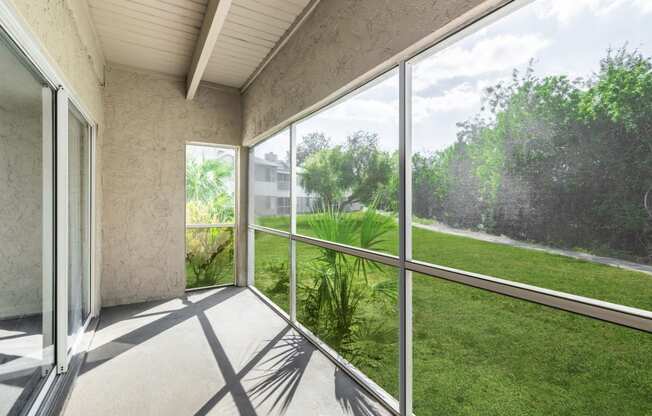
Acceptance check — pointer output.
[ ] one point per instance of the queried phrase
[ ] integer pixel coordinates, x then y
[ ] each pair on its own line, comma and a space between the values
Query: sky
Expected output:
566, 37
279, 143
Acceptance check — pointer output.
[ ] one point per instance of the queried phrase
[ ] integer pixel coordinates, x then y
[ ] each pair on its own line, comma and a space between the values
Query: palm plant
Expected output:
340, 283
207, 198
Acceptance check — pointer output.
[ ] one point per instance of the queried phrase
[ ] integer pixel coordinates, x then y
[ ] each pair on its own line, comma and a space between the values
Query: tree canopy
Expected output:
356, 171
561, 161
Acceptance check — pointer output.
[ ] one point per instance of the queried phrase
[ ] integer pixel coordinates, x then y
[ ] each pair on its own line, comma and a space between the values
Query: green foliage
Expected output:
310, 144
553, 160
209, 256
208, 200
279, 274
564, 162
340, 285
357, 171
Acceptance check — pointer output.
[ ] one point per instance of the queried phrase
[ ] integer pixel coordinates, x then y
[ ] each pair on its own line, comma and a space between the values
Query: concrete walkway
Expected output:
215, 352
501, 239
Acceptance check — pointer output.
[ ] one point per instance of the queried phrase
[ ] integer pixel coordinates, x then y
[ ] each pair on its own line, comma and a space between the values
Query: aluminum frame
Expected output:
48, 225
55, 149
90, 232
251, 219
405, 247
62, 230
293, 223
621, 315
93, 306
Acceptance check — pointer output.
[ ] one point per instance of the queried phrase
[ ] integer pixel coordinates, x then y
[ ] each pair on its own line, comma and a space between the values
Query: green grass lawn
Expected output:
271, 268
478, 353
226, 277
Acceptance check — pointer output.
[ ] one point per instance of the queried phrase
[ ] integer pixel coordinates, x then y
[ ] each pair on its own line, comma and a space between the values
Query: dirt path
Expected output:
501, 239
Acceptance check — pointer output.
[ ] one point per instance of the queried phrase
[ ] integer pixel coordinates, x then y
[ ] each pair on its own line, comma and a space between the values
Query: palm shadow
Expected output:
284, 371
352, 398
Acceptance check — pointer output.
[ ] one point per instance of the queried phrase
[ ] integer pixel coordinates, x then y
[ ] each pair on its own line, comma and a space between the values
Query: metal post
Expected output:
251, 234
405, 289
293, 223
93, 301
48, 303
62, 231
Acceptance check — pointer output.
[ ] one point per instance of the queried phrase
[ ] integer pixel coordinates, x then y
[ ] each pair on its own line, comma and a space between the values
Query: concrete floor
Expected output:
216, 352
21, 357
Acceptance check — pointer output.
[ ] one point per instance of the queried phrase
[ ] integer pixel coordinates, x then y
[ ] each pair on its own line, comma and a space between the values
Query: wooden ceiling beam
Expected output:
214, 18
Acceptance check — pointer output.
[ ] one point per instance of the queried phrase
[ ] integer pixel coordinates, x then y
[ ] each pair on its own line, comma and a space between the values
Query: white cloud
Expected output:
363, 110
566, 10
473, 58
463, 97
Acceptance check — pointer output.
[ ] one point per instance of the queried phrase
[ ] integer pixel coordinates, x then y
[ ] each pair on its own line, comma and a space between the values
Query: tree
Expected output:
356, 171
310, 144
554, 160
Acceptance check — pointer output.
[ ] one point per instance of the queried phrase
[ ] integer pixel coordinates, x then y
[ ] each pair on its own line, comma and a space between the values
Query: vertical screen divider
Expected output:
251, 234
405, 289
293, 223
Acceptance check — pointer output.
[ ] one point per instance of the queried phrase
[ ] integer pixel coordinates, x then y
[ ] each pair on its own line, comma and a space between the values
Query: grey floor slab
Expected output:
22, 357
217, 352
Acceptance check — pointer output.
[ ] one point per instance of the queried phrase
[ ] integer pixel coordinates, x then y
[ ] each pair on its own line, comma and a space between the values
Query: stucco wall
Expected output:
20, 190
66, 35
65, 31
339, 43
148, 124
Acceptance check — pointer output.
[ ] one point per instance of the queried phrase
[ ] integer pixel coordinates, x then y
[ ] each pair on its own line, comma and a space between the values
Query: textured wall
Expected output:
340, 41
66, 35
65, 32
148, 123
20, 191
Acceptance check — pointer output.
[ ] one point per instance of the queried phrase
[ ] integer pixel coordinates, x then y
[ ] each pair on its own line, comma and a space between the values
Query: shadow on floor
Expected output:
266, 383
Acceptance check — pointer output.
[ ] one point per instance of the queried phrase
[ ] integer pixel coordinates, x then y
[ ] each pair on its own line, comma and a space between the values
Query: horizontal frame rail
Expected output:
605, 311
225, 225
386, 259
271, 231
610, 312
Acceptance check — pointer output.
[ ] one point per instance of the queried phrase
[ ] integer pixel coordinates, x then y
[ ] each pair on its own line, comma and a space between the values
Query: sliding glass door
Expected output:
26, 231
46, 152
78, 223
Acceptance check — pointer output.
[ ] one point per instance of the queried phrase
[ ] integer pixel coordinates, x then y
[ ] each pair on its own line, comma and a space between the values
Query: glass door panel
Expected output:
78, 223
26, 231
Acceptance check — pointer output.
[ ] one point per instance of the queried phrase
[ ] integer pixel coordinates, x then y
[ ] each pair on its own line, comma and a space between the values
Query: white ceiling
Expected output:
161, 35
